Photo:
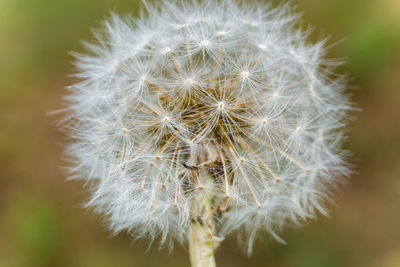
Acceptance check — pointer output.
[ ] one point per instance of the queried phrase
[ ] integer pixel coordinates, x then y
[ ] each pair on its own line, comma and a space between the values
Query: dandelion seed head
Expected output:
222, 98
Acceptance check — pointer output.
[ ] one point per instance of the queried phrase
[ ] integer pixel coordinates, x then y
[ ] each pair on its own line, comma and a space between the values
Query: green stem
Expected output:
201, 246
202, 242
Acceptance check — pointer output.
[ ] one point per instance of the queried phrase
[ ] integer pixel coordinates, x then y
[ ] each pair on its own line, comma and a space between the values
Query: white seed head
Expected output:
252, 141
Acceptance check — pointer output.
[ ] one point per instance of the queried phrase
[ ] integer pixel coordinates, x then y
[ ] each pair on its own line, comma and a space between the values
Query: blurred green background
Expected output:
41, 220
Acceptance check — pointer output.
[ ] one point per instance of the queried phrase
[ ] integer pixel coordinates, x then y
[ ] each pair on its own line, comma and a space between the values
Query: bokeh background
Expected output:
42, 222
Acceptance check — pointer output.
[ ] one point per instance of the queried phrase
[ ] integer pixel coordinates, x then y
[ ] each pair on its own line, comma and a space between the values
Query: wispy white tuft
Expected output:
210, 97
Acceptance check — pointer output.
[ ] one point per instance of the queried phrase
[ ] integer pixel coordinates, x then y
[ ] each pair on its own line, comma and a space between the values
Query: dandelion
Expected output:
204, 119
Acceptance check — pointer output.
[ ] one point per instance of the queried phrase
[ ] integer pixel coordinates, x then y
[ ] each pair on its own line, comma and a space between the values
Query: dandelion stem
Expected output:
201, 246
201, 240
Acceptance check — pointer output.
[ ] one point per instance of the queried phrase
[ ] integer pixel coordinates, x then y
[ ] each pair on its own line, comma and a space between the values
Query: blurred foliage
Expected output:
41, 220
32, 226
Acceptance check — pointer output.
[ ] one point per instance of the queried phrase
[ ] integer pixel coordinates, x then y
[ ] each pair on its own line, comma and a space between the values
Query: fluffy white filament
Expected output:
210, 96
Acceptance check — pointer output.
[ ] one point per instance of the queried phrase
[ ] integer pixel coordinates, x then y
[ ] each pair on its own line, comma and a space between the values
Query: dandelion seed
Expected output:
204, 43
221, 33
262, 47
